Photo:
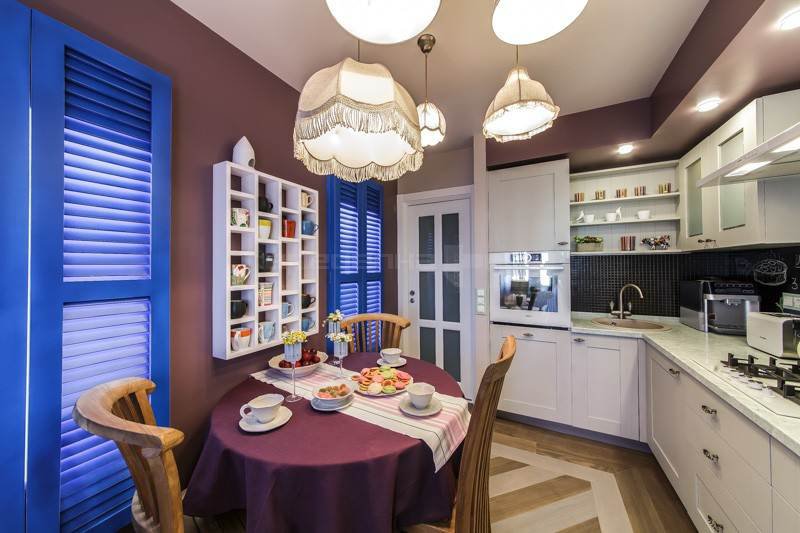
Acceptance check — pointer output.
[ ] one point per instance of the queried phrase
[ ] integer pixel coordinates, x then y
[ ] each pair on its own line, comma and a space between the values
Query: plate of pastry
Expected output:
382, 381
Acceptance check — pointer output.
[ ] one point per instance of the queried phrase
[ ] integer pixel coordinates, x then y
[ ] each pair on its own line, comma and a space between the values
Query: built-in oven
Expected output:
530, 288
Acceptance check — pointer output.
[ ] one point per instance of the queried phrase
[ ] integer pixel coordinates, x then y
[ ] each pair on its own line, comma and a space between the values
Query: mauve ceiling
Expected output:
616, 51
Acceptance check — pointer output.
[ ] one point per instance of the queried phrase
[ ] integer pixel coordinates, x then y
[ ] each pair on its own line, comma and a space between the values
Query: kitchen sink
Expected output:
630, 323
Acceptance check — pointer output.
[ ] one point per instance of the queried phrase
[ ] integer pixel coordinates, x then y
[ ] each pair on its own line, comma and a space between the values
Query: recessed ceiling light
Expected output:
625, 149
790, 20
708, 104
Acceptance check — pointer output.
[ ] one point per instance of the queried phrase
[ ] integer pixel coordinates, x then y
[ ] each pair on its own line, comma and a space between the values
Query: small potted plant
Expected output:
334, 322
341, 341
657, 243
588, 243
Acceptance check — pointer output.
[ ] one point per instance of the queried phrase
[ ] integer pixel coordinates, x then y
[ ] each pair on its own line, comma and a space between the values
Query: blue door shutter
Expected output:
100, 197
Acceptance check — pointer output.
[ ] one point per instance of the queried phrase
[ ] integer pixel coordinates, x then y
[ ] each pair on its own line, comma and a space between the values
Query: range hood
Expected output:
779, 157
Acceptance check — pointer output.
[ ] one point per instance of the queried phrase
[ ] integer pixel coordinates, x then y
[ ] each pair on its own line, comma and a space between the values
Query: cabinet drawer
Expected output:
713, 510
786, 474
751, 443
785, 519
713, 455
709, 511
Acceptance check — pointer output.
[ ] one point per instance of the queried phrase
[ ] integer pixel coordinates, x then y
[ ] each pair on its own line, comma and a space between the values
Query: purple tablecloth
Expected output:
326, 472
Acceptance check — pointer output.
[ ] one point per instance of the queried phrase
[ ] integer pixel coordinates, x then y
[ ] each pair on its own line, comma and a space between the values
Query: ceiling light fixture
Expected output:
356, 122
790, 20
530, 21
625, 149
383, 21
521, 109
432, 125
709, 104
791, 146
747, 168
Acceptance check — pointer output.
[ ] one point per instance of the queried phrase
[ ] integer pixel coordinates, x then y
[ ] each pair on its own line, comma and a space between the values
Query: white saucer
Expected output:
327, 408
283, 416
408, 408
398, 364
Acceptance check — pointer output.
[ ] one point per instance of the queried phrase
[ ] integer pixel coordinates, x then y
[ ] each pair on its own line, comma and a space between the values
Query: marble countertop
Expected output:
689, 348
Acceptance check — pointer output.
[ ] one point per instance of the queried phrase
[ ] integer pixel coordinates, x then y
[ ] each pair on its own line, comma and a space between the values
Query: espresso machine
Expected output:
718, 305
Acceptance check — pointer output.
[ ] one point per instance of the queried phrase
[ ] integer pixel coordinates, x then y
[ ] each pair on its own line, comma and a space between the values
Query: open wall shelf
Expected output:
293, 270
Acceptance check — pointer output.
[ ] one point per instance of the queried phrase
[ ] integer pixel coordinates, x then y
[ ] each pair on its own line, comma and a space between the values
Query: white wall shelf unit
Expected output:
664, 214
294, 271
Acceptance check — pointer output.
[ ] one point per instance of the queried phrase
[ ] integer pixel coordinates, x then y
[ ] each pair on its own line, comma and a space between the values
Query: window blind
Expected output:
107, 172
102, 341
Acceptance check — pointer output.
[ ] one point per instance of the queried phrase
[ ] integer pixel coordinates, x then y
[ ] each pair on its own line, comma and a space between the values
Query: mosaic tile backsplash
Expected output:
596, 280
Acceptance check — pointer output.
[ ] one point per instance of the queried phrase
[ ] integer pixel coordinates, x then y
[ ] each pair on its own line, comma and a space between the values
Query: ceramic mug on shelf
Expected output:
289, 228
239, 274
240, 338
287, 309
238, 308
305, 199
307, 323
611, 217
263, 409
308, 227
264, 228
644, 214
266, 330
264, 205
308, 300
240, 217
265, 291
588, 218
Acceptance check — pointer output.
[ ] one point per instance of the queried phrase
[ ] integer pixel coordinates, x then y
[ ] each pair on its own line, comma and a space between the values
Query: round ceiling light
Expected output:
625, 149
530, 21
521, 109
356, 122
790, 20
383, 21
709, 104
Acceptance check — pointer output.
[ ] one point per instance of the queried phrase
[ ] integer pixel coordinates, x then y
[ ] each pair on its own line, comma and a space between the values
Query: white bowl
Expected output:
300, 370
334, 401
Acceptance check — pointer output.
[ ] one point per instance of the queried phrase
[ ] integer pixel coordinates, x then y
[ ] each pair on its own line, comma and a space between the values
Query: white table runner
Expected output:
443, 433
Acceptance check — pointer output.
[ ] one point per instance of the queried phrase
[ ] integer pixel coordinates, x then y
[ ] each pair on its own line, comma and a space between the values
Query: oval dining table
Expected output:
326, 472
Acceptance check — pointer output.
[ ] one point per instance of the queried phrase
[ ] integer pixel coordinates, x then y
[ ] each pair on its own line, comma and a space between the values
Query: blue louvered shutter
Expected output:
100, 196
355, 242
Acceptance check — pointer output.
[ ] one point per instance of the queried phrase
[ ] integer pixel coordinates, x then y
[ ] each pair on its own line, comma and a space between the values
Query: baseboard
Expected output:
576, 432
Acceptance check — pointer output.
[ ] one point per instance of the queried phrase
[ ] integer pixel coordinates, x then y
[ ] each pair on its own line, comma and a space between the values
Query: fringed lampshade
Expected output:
432, 124
521, 109
355, 122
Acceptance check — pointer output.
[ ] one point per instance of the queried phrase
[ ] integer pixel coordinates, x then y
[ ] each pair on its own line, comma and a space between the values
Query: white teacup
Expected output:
263, 408
420, 394
611, 217
391, 355
588, 218
644, 214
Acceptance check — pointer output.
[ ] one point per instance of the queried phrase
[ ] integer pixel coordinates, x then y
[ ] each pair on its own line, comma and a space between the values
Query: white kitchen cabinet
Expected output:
605, 384
697, 206
538, 383
667, 427
529, 207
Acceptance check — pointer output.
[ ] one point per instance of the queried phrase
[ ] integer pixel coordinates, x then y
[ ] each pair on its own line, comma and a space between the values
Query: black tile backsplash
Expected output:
597, 279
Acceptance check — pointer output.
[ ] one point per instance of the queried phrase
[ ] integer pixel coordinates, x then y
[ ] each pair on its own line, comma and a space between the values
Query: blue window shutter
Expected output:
14, 160
355, 243
100, 215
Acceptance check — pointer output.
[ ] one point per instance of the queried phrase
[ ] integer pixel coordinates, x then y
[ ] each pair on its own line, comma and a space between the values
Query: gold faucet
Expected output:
621, 313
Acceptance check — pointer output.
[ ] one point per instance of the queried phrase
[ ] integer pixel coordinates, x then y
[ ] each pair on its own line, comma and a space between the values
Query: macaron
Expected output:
405, 376
378, 379
374, 388
389, 389
400, 385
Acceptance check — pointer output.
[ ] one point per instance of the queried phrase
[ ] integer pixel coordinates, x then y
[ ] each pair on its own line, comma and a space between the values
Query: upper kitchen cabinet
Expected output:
738, 214
529, 207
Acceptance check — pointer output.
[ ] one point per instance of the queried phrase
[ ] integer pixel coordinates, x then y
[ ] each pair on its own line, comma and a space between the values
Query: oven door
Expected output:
535, 294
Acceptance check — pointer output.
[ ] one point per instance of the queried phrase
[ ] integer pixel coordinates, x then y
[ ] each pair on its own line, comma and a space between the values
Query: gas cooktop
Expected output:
771, 381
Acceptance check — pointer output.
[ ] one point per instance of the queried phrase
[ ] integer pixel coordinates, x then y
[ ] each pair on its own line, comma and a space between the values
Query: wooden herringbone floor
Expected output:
545, 481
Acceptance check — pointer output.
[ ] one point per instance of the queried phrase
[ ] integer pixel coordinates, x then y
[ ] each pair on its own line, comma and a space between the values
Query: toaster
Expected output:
774, 333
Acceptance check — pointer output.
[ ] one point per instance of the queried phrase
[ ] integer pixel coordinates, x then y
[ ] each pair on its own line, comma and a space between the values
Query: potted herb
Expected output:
588, 243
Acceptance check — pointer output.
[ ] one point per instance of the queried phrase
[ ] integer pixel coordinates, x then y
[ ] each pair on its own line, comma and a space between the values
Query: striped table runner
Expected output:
443, 433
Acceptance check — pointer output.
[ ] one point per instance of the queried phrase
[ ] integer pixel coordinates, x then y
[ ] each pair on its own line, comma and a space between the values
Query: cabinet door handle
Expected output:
563, 243
713, 457
716, 526
675, 373
578, 339
529, 335
708, 410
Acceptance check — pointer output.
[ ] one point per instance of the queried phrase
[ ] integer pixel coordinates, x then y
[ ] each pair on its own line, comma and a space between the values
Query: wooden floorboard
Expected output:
590, 526
500, 465
534, 496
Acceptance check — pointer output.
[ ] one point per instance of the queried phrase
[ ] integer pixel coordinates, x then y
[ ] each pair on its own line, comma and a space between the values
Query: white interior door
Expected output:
438, 286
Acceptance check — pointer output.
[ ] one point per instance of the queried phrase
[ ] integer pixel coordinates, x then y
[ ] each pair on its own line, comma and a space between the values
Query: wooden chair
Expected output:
375, 331
471, 512
119, 411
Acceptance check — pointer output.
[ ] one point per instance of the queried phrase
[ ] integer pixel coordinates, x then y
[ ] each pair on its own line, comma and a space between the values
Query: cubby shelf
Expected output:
240, 186
625, 221
642, 198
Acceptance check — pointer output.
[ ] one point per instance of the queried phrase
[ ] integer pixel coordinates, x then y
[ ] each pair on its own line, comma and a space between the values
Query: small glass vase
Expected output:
334, 327
340, 350
292, 353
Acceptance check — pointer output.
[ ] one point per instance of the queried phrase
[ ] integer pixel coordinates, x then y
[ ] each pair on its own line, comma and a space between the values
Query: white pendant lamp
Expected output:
521, 109
431, 121
383, 21
522, 22
356, 122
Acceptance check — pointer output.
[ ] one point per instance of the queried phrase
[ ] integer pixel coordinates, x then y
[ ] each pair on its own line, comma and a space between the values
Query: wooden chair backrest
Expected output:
472, 496
120, 411
374, 331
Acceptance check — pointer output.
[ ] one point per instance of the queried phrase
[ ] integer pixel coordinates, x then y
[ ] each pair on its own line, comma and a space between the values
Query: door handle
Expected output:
528, 335
578, 339
563, 243
708, 410
713, 457
675, 373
